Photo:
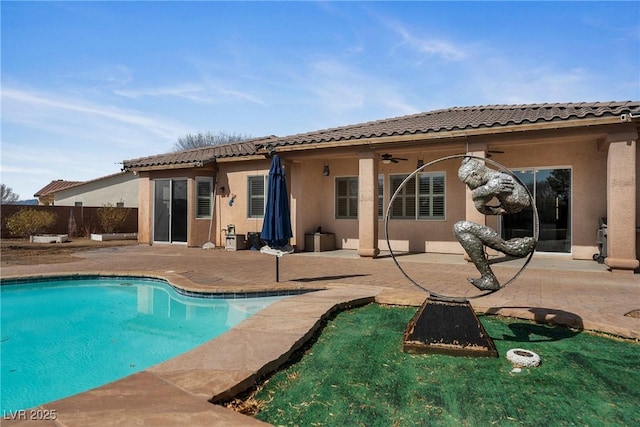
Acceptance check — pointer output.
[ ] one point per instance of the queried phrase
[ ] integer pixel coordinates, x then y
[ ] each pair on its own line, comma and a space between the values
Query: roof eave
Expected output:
163, 166
242, 158
451, 134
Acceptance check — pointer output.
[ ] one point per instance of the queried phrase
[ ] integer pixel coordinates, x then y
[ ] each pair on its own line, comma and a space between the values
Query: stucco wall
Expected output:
231, 204
313, 199
316, 207
589, 183
581, 155
197, 228
312, 195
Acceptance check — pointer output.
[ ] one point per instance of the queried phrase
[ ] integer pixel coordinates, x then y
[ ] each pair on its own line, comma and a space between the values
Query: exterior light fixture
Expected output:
325, 170
420, 163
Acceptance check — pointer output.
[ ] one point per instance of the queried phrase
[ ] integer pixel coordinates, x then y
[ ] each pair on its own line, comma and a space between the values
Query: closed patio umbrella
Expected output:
276, 228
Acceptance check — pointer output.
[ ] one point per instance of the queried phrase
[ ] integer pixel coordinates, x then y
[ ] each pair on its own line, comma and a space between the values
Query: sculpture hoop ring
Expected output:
536, 224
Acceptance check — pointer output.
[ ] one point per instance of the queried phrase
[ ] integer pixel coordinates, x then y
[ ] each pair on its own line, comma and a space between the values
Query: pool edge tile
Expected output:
142, 398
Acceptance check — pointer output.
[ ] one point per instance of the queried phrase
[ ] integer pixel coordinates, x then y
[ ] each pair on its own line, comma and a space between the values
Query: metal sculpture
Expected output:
509, 200
486, 185
447, 324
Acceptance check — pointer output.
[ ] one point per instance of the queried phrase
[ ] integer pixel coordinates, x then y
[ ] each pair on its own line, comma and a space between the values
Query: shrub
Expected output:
28, 222
111, 218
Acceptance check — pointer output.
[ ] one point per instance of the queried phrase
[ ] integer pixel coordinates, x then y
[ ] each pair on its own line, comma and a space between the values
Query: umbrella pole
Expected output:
277, 269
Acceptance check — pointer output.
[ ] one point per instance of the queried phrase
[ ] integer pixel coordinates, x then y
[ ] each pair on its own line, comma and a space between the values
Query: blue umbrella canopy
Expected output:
276, 228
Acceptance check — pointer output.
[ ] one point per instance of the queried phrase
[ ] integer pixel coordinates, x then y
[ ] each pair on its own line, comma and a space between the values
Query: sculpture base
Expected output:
447, 327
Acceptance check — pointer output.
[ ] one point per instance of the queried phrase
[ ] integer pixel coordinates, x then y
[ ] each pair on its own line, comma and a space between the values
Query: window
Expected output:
551, 191
431, 196
204, 197
421, 198
257, 191
404, 206
347, 197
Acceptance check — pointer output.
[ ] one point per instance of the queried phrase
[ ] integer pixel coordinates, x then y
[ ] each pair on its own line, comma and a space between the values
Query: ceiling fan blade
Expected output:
400, 158
394, 160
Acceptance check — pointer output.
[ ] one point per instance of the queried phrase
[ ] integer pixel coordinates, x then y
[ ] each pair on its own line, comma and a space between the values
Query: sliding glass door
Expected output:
551, 190
170, 210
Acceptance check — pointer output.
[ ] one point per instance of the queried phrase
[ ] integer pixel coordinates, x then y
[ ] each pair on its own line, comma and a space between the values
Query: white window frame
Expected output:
431, 196
251, 198
208, 197
418, 197
350, 199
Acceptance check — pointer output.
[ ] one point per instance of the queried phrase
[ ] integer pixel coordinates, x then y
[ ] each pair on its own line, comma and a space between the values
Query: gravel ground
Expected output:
23, 252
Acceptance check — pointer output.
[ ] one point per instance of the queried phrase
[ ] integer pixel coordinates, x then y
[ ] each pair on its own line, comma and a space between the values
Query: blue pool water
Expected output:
60, 338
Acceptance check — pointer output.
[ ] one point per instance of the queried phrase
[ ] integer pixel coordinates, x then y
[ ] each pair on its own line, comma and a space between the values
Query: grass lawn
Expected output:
356, 374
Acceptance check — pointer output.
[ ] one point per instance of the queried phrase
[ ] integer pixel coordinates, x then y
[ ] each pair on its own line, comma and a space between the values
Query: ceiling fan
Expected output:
388, 158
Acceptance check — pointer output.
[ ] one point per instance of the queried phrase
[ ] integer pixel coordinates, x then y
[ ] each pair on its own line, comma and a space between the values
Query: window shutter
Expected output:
431, 196
256, 196
203, 199
438, 206
438, 184
346, 194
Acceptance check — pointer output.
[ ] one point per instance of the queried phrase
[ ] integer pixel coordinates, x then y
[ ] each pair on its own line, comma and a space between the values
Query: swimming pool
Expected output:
63, 336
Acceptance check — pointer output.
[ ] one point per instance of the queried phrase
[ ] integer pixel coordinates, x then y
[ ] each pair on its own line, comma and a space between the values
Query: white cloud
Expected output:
189, 91
59, 114
25, 170
48, 135
502, 80
425, 47
110, 75
340, 88
433, 47
200, 93
236, 94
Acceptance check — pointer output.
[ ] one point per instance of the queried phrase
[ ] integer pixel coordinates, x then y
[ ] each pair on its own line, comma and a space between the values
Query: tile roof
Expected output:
199, 156
54, 186
444, 120
464, 118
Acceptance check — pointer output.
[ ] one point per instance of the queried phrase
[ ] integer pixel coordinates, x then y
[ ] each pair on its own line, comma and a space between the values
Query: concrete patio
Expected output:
580, 294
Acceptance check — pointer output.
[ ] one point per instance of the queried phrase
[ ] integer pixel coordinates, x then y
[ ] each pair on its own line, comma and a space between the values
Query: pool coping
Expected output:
216, 294
184, 390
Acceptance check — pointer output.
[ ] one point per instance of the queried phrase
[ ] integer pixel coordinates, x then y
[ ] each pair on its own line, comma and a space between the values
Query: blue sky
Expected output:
86, 85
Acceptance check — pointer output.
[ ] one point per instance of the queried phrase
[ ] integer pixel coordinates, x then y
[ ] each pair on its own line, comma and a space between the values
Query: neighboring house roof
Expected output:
54, 186
81, 183
59, 184
487, 118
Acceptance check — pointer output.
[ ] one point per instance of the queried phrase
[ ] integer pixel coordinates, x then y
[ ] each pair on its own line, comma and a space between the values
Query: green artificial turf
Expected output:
356, 374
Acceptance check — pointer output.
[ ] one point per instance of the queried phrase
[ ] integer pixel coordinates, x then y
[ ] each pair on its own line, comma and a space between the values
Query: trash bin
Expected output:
319, 242
601, 240
254, 241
